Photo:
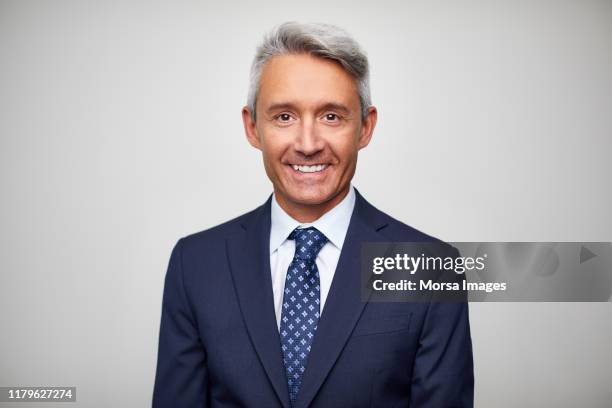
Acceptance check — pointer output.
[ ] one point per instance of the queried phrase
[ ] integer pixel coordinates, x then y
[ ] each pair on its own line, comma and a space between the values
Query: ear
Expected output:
250, 129
367, 127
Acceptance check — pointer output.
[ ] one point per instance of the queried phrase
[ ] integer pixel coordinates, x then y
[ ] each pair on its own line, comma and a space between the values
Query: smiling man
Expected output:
308, 122
265, 310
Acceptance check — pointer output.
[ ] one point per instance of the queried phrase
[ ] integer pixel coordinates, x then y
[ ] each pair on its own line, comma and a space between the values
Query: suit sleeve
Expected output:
443, 375
181, 376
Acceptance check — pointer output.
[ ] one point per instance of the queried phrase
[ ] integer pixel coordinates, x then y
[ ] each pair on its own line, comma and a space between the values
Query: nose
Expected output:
308, 141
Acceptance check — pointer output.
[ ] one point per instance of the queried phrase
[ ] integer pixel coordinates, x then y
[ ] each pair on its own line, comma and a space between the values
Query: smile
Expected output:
309, 169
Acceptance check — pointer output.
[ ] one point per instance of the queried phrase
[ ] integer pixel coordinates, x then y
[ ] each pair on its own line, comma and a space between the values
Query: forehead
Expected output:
307, 81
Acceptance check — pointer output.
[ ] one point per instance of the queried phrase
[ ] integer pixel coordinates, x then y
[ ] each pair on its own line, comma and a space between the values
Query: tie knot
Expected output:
308, 242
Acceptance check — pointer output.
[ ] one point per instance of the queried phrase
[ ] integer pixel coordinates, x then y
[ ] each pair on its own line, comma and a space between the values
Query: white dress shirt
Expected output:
333, 224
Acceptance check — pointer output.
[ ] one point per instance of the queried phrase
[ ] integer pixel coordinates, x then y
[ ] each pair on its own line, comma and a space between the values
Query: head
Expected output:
309, 112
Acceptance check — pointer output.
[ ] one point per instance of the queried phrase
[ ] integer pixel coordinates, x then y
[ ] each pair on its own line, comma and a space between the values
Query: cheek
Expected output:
344, 147
273, 154
274, 146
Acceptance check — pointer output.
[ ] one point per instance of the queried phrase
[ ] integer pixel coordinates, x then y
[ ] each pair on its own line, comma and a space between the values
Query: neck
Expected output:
306, 213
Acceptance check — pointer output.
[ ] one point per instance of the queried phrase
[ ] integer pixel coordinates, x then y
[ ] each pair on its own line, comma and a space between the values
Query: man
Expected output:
265, 310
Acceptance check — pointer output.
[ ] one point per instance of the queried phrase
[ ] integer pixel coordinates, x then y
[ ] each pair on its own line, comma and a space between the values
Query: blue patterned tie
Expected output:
300, 313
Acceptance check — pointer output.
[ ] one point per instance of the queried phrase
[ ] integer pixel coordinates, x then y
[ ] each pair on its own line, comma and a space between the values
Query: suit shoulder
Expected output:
218, 233
398, 231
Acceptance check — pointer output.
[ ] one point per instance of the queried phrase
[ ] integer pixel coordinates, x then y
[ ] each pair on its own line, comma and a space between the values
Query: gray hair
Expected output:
319, 40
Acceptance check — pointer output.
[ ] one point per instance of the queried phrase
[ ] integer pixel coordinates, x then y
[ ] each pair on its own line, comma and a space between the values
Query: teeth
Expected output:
309, 169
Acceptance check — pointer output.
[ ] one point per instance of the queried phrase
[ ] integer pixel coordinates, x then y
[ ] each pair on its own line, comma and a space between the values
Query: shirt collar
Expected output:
333, 224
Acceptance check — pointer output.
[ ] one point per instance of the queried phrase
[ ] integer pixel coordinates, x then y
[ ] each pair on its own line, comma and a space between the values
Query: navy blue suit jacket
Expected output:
219, 344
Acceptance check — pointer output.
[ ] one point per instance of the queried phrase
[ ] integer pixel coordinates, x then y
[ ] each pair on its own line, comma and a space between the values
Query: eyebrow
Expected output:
290, 106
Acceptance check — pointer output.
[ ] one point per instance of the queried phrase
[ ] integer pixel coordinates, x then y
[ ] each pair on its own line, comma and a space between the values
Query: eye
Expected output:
331, 117
283, 117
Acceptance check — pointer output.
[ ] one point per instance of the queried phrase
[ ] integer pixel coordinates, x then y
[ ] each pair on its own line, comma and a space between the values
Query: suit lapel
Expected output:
249, 259
343, 305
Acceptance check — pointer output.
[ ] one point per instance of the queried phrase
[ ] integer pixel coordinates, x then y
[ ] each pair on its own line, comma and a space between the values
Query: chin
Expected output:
310, 196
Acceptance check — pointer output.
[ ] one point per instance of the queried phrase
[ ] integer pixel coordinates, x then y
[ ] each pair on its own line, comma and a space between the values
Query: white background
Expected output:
120, 132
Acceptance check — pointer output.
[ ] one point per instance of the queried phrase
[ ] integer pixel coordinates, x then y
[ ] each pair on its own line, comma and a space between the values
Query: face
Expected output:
309, 129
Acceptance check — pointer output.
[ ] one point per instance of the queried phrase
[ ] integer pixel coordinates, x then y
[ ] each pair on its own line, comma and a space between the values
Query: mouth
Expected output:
314, 168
